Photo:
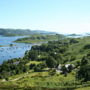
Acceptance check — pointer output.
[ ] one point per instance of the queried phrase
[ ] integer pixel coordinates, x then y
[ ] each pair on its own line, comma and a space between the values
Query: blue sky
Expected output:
63, 16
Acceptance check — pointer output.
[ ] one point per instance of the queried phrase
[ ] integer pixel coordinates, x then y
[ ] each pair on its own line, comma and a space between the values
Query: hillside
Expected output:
56, 65
15, 32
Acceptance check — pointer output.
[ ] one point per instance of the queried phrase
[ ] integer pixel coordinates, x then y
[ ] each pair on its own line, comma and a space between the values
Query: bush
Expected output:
37, 68
52, 72
32, 66
84, 73
73, 41
87, 46
6, 78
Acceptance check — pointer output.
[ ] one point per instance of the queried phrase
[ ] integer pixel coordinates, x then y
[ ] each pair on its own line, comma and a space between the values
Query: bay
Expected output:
8, 52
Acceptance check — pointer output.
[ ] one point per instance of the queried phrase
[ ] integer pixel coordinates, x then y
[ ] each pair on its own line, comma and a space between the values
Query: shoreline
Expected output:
31, 42
7, 45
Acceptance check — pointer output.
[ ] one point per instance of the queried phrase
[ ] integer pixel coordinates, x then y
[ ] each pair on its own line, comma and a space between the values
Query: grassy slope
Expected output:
40, 79
36, 79
84, 88
34, 62
77, 49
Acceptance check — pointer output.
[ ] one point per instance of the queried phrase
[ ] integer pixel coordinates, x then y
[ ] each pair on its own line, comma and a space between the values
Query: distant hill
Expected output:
14, 32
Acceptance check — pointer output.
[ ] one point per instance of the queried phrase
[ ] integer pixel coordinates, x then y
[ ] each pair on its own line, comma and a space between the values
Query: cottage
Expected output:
69, 68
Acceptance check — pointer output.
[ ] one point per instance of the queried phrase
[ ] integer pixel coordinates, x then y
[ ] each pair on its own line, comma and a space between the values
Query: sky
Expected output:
63, 16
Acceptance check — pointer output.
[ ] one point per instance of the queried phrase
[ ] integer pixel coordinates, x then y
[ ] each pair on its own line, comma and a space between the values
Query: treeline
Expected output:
13, 67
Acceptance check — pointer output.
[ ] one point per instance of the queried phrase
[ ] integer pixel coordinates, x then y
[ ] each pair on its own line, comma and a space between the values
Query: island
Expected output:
38, 38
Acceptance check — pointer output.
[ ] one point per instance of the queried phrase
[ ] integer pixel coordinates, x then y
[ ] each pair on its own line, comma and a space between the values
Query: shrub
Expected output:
52, 72
32, 66
87, 46
37, 68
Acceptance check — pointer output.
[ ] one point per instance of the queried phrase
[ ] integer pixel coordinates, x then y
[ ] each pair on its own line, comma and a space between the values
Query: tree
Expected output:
51, 62
64, 70
33, 55
70, 68
84, 61
87, 46
73, 41
84, 70
11, 45
25, 68
37, 68
84, 73
32, 66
